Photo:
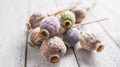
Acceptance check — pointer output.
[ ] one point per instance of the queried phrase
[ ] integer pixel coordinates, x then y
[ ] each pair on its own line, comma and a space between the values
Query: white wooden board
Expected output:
13, 15
112, 26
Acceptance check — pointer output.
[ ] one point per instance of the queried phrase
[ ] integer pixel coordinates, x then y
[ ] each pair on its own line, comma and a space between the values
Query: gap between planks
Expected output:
27, 33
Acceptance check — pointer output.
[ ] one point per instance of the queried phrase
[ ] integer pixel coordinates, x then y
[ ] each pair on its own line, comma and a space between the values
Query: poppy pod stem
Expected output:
54, 58
69, 8
95, 21
99, 47
67, 24
28, 26
44, 34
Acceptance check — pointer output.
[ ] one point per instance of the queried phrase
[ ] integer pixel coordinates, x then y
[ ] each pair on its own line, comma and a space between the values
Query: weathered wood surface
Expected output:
112, 26
13, 15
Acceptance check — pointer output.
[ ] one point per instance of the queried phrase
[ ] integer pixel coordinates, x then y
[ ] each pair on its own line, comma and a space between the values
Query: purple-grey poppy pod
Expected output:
49, 27
71, 37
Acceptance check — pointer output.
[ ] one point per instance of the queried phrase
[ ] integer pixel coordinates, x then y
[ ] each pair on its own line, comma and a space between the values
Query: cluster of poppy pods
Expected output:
56, 32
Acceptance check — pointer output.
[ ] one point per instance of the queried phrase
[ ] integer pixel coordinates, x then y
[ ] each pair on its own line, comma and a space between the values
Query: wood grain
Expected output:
13, 16
34, 58
112, 26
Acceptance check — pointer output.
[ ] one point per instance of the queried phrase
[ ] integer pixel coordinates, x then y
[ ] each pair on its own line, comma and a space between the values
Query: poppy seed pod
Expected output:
89, 42
67, 19
61, 31
49, 27
53, 49
35, 40
34, 21
79, 15
71, 37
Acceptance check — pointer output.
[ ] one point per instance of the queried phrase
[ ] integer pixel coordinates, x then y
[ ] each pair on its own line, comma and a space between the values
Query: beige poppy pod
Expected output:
35, 39
79, 15
34, 21
62, 30
53, 49
90, 42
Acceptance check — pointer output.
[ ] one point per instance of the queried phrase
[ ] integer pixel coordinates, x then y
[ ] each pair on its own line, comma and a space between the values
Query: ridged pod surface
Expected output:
53, 49
35, 40
90, 42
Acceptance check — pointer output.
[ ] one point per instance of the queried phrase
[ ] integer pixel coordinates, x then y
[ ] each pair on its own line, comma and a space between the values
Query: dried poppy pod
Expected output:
89, 42
71, 37
35, 40
61, 31
79, 15
34, 21
49, 27
67, 19
53, 49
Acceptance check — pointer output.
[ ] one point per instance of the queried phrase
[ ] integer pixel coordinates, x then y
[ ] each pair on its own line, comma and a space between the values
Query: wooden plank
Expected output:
109, 57
13, 15
34, 58
110, 10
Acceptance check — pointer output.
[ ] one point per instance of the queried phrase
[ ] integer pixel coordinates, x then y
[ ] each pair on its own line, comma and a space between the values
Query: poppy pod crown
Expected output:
68, 19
